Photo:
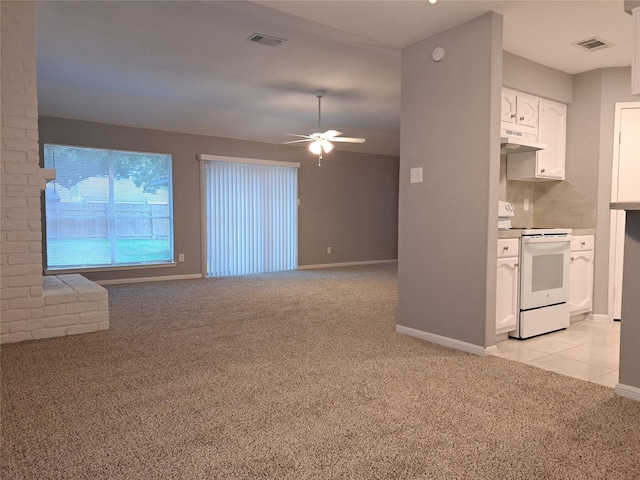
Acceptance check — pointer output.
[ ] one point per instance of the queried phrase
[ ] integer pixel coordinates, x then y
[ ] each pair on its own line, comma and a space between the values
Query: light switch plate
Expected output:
416, 175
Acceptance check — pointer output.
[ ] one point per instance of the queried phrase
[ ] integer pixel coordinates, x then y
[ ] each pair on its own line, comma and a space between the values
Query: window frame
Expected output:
171, 262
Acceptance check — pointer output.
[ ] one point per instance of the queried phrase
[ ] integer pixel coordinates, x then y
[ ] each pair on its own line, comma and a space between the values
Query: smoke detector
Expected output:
266, 40
592, 44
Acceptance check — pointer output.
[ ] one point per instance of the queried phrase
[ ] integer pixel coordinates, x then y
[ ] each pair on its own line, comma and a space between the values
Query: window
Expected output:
107, 208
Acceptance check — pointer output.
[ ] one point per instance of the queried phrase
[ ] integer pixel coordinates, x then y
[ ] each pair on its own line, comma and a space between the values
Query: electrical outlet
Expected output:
181, 257
328, 249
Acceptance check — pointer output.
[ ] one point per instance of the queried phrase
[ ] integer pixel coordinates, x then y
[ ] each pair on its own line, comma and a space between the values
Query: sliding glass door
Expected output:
251, 217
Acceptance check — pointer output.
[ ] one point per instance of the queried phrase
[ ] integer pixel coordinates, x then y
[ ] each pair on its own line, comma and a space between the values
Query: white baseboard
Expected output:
344, 264
447, 342
148, 279
627, 391
598, 317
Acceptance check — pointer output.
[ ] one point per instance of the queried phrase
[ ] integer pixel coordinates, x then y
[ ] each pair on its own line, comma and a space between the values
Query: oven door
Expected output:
544, 271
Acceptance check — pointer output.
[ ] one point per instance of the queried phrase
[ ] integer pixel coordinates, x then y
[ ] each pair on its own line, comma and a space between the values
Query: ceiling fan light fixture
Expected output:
327, 146
316, 146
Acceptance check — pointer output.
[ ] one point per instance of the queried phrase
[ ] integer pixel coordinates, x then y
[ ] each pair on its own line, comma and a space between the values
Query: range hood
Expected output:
515, 142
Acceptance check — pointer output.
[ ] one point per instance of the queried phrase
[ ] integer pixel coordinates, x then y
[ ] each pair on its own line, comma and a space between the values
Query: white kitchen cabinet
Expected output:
519, 112
507, 285
581, 274
545, 164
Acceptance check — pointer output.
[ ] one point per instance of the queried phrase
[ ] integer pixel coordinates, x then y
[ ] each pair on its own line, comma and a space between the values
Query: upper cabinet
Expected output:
547, 164
552, 131
519, 112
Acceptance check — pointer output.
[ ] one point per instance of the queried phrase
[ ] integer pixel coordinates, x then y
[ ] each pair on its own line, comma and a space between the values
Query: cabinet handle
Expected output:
572, 259
513, 115
582, 244
516, 265
522, 118
542, 170
506, 247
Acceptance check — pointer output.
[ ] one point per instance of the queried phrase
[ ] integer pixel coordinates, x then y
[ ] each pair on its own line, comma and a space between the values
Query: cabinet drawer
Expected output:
508, 247
581, 242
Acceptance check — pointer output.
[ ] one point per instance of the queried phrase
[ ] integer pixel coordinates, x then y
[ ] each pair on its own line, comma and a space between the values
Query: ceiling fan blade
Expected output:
347, 139
329, 134
298, 141
303, 136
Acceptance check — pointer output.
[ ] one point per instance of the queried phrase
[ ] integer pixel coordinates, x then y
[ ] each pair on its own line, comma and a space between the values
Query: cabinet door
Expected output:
552, 130
507, 294
581, 282
508, 109
527, 111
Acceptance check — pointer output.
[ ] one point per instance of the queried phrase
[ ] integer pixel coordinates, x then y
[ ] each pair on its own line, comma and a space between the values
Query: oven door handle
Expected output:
546, 239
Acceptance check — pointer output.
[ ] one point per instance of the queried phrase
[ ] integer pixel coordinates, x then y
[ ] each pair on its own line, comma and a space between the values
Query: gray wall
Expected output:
447, 225
590, 155
583, 134
349, 204
630, 328
531, 77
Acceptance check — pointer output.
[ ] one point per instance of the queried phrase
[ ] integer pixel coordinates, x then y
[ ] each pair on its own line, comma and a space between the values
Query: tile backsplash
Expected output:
552, 204
556, 204
517, 192
561, 205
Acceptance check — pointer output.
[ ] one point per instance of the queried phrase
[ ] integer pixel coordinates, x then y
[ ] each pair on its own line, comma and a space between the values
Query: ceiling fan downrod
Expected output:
319, 94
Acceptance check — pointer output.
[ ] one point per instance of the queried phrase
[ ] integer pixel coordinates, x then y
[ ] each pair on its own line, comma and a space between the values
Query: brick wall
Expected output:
65, 306
21, 240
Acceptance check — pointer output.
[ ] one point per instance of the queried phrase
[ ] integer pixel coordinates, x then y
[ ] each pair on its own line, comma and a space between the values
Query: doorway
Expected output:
250, 216
625, 186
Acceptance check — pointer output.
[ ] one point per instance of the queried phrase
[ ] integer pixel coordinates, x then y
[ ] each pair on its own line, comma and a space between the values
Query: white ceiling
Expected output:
187, 66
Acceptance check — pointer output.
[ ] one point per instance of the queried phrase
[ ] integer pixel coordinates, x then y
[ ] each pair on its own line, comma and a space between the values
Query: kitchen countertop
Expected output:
509, 233
517, 233
625, 205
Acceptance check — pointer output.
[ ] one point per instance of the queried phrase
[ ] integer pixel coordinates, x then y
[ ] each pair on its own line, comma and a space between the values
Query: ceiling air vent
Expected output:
266, 40
592, 44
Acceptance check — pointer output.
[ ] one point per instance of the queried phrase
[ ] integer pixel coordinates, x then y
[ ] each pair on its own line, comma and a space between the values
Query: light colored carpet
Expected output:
294, 375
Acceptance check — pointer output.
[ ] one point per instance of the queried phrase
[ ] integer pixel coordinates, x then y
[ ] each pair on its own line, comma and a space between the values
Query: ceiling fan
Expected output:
321, 142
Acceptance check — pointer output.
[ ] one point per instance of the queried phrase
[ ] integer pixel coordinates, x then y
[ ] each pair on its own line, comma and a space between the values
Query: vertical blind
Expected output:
251, 218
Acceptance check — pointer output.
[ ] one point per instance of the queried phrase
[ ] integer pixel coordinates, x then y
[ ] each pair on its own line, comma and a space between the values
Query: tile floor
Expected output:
586, 350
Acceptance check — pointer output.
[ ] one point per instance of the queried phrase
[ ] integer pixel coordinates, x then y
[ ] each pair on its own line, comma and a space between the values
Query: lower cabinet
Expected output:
581, 274
507, 285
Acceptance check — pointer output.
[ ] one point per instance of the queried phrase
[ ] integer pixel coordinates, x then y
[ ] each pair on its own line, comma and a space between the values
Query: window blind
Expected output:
107, 208
251, 218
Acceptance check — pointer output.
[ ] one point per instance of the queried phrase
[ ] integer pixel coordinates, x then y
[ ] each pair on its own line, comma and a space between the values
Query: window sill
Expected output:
110, 268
